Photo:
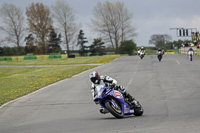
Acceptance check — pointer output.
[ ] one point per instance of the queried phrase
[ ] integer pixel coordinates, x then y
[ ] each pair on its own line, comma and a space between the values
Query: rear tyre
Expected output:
190, 57
117, 112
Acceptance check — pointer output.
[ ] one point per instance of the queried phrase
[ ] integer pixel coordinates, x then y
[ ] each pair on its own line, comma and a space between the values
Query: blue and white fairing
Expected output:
106, 94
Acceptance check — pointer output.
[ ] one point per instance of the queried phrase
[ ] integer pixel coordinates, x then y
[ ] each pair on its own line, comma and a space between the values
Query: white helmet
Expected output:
94, 77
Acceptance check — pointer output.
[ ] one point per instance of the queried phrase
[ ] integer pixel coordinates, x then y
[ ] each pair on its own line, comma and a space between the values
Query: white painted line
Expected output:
130, 81
178, 62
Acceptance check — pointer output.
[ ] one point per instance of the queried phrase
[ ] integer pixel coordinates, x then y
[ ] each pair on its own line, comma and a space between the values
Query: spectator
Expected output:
186, 44
191, 44
195, 43
198, 46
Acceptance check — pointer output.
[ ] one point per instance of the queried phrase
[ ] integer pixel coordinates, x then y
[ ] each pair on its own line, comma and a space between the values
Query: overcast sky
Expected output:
149, 16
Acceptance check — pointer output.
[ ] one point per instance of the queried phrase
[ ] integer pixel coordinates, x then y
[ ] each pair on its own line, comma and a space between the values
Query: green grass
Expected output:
18, 81
198, 52
150, 52
153, 52
64, 61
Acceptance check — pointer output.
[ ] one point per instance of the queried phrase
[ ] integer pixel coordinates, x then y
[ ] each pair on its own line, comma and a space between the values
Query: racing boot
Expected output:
135, 104
132, 101
103, 110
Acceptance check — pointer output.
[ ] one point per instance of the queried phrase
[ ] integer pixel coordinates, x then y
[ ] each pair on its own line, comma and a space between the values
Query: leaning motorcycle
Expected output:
142, 54
159, 55
115, 103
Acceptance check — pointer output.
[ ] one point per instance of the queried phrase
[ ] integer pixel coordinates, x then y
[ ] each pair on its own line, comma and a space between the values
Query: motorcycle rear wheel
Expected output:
138, 111
114, 111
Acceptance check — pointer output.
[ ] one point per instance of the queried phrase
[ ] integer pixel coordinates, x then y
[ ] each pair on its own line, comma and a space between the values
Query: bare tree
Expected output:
40, 22
113, 22
160, 40
12, 24
65, 17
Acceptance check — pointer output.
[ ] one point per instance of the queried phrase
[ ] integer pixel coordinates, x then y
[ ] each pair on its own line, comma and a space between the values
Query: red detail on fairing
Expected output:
118, 94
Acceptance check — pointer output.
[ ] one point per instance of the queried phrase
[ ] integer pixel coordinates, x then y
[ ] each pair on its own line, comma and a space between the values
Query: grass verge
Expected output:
63, 61
18, 81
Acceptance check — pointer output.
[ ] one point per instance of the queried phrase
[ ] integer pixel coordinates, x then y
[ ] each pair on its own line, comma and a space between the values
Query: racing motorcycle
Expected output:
190, 54
138, 52
115, 103
159, 55
142, 54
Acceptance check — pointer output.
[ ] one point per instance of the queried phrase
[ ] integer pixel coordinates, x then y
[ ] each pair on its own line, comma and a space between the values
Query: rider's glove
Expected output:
112, 85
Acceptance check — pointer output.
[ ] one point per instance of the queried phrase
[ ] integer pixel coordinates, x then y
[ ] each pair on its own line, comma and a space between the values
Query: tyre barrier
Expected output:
42, 57
36, 57
54, 56
71, 56
5, 59
30, 57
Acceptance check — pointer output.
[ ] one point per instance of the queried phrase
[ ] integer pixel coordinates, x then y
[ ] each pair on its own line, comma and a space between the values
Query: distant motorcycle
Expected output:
142, 54
138, 52
159, 55
190, 54
115, 103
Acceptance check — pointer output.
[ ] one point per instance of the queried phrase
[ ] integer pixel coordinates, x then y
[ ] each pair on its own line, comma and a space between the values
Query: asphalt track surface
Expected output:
169, 92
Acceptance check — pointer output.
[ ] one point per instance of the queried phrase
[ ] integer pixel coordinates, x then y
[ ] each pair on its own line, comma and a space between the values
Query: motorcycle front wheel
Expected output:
117, 112
159, 58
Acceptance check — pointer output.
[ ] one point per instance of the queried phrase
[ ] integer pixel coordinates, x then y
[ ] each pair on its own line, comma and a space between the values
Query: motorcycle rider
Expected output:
190, 49
142, 50
138, 51
96, 79
160, 50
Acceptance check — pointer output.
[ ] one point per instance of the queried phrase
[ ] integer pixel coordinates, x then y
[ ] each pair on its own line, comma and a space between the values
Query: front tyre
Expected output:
117, 112
138, 111
159, 57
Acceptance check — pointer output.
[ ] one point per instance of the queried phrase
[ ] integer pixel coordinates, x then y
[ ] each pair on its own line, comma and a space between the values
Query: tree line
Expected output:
164, 41
44, 28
